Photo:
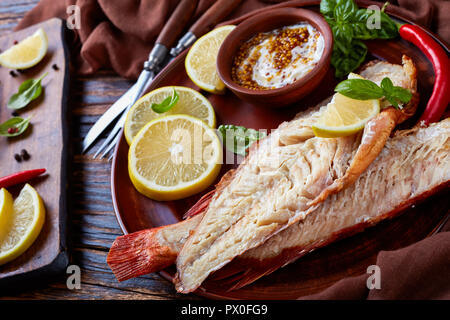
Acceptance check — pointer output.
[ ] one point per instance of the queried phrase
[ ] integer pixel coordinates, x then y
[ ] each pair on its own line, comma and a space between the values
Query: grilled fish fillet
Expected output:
421, 155
271, 190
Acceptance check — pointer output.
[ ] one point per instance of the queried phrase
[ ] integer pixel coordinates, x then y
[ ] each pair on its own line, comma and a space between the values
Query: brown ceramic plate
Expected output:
322, 268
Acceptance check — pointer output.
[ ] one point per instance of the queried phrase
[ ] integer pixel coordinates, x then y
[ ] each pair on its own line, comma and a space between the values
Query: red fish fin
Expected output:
244, 271
139, 253
200, 206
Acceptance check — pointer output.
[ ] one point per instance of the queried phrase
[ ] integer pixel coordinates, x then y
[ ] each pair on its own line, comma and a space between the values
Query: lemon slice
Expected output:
190, 102
24, 226
201, 60
27, 53
174, 157
6, 210
345, 116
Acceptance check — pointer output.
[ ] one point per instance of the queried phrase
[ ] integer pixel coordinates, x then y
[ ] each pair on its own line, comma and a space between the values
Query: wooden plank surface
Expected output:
92, 224
46, 141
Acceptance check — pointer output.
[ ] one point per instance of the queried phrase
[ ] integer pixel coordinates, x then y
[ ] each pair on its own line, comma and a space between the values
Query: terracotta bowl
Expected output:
265, 22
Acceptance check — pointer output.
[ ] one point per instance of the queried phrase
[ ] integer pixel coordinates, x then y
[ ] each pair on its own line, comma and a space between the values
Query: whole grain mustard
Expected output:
271, 60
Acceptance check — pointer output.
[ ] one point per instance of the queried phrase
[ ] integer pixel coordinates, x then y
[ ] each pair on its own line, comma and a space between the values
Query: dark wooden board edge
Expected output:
60, 261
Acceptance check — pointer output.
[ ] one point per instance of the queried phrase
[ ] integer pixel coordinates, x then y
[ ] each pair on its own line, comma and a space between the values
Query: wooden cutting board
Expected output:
46, 140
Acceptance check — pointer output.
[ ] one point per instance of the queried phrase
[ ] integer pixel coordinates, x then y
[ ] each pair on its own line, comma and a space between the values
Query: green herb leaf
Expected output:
386, 84
359, 89
17, 124
29, 90
350, 25
166, 104
327, 8
344, 63
362, 89
238, 139
345, 10
395, 95
386, 30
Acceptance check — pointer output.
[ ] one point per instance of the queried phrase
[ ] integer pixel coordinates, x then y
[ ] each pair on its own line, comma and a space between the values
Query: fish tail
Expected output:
139, 253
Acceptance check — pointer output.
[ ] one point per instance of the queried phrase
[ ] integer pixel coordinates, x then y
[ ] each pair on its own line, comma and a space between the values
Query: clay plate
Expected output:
322, 268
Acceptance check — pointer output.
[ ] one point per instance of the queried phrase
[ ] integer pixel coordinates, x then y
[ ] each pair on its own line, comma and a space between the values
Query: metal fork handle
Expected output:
109, 143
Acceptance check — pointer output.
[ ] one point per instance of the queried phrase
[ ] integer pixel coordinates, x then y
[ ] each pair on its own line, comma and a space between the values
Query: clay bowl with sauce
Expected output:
266, 22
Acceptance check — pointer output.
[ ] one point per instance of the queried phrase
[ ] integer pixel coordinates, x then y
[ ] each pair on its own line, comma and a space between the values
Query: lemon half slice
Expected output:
345, 116
174, 157
190, 102
201, 60
27, 53
6, 211
24, 225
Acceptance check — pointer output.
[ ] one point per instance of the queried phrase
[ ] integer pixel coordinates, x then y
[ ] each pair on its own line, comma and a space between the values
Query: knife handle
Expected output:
213, 16
177, 22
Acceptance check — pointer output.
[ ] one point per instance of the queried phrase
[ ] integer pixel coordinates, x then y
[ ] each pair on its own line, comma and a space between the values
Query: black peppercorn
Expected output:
24, 154
18, 157
55, 66
12, 73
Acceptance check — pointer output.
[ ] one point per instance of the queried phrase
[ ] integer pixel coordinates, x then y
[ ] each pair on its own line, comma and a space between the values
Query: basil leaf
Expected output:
386, 84
401, 94
346, 63
327, 8
29, 90
343, 35
344, 10
350, 25
394, 94
386, 30
166, 104
362, 89
359, 89
17, 123
238, 139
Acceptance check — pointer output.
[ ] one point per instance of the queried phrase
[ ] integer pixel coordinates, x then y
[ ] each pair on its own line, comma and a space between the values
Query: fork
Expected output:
219, 10
166, 39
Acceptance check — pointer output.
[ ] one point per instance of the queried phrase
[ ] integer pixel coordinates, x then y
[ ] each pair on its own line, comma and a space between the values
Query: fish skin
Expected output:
272, 189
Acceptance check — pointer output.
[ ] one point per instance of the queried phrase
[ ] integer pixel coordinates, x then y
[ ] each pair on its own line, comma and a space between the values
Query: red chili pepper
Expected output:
20, 177
440, 98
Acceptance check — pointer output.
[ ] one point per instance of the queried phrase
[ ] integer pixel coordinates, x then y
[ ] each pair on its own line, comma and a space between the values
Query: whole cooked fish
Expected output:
282, 180
413, 165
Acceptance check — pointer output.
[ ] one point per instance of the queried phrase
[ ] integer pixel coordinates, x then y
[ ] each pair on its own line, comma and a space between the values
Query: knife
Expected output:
165, 40
215, 14
209, 19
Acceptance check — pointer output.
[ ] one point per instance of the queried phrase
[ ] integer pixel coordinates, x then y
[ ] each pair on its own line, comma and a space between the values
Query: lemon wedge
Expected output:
190, 102
27, 53
345, 116
201, 60
174, 157
24, 225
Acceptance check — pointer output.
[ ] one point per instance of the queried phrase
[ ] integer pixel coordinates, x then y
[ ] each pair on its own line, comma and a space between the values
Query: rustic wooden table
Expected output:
92, 223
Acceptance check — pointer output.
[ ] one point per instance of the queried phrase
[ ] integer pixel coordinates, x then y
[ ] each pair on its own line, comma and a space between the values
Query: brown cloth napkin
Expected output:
120, 34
